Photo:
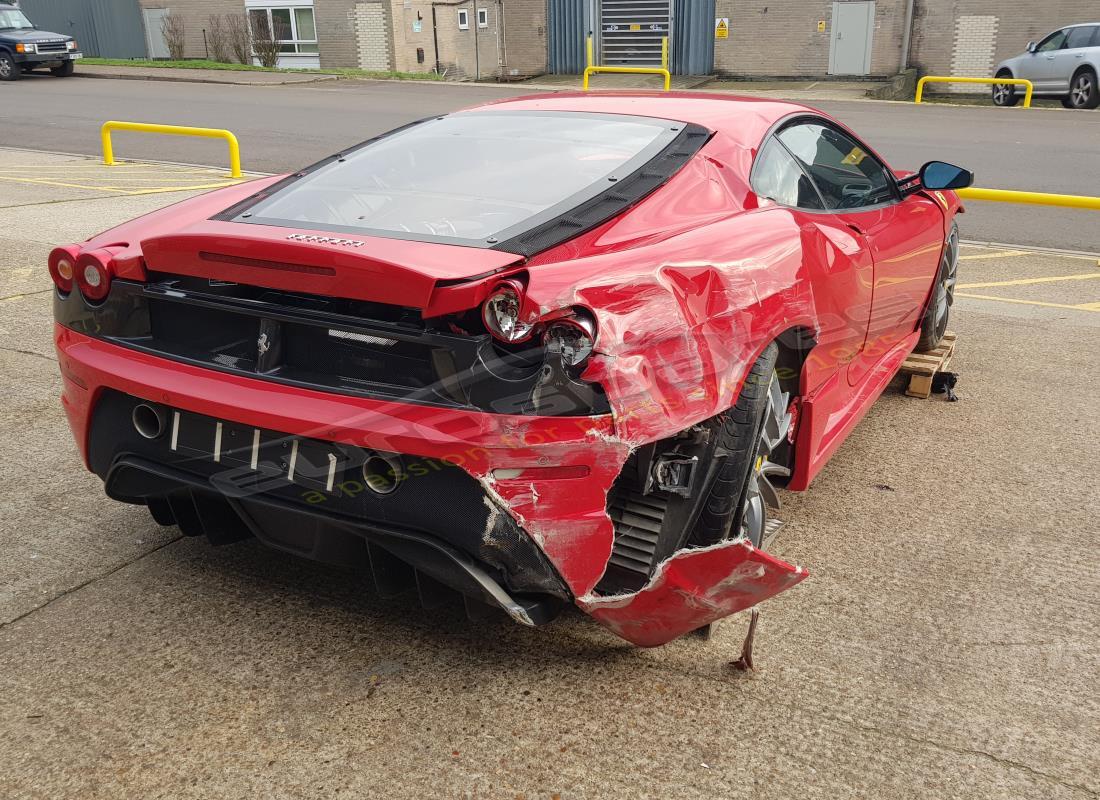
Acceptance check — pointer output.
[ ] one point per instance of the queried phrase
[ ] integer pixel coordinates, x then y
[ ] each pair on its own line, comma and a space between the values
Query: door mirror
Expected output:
940, 175
1032, 47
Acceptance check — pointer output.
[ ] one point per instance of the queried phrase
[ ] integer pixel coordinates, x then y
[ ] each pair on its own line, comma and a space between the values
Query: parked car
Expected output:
24, 48
1064, 65
548, 350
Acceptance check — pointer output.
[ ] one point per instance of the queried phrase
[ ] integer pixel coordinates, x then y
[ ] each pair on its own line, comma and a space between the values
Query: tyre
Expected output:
934, 324
9, 70
742, 493
1004, 94
1083, 91
65, 70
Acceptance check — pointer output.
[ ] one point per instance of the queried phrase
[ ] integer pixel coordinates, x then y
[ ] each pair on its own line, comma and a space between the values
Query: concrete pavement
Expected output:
945, 644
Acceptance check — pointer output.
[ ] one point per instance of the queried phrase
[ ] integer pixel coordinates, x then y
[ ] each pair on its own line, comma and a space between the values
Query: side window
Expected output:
1053, 42
846, 174
777, 176
1079, 37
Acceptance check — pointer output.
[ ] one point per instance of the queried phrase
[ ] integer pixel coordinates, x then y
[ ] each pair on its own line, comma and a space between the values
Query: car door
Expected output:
1072, 55
1039, 69
837, 261
904, 236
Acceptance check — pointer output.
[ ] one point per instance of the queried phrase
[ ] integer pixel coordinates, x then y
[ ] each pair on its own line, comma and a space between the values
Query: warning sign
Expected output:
821, 26
722, 28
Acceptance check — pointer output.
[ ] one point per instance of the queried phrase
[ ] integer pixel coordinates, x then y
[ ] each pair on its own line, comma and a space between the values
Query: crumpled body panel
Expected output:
691, 589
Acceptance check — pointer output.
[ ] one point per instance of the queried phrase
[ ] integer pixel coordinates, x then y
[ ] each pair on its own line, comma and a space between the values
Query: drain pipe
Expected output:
435, 41
907, 35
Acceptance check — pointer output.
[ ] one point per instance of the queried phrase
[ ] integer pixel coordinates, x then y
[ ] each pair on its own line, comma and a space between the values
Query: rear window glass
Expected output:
469, 178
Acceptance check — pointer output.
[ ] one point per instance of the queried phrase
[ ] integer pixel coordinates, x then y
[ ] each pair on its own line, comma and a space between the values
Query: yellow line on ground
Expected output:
1087, 307
118, 190
1002, 254
1029, 281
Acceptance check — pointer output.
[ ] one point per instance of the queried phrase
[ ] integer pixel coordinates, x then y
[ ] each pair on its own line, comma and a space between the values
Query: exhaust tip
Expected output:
383, 472
149, 421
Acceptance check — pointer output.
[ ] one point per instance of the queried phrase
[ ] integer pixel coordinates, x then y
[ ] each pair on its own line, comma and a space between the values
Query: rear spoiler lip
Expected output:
374, 269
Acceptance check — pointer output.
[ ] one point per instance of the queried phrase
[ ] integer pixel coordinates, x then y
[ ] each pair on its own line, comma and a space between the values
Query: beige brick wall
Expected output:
372, 33
336, 37
525, 39
937, 49
782, 39
512, 44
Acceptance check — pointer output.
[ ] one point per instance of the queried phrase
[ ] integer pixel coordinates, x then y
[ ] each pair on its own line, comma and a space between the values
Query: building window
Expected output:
294, 28
463, 19
483, 18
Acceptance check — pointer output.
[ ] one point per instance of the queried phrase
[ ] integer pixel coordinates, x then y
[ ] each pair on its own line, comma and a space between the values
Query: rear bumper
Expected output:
538, 532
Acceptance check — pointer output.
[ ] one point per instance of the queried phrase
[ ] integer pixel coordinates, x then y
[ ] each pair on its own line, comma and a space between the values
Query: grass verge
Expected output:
218, 65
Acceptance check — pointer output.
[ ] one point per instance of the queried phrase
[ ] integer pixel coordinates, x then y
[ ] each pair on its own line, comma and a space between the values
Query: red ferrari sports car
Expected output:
555, 349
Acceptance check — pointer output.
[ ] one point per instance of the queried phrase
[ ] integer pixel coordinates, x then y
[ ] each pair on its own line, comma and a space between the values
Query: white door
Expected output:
154, 32
850, 42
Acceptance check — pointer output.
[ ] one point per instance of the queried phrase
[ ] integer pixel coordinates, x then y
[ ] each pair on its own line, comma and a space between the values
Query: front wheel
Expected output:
9, 70
65, 70
936, 316
1004, 94
1083, 91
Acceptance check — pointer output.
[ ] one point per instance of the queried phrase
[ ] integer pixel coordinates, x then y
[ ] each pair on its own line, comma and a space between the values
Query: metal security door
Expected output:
850, 43
154, 32
631, 32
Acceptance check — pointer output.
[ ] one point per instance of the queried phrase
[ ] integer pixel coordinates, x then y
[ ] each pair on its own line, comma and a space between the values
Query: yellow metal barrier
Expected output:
1028, 88
662, 71
174, 130
1031, 198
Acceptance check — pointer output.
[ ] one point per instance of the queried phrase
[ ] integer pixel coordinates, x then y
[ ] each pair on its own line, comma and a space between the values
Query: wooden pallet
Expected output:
920, 367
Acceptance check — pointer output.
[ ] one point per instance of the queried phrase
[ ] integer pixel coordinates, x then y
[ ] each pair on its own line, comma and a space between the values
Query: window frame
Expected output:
1092, 32
464, 19
804, 119
483, 18
1065, 35
294, 40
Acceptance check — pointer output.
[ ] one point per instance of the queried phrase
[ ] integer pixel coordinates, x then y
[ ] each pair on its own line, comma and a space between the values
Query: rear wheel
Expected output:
1083, 91
742, 493
1004, 94
65, 70
938, 313
9, 70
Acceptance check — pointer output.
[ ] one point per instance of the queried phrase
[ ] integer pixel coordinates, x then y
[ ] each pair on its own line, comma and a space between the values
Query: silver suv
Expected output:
1064, 65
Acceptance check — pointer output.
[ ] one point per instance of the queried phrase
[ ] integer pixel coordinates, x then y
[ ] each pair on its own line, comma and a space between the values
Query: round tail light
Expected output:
62, 263
501, 313
573, 338
93, 274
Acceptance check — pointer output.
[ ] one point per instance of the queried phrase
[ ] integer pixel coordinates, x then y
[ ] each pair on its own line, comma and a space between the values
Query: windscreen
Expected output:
468, 178
13, 19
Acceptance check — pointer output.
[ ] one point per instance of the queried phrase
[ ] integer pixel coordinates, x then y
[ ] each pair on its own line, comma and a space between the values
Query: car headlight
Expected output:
501, 314
24, 48
71, 44
573, 338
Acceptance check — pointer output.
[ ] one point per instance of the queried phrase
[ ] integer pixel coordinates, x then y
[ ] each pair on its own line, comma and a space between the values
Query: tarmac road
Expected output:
285, 127
945, 644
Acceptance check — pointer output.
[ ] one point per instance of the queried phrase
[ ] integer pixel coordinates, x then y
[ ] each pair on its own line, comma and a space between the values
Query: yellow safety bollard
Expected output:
1028, 88
663, 71
172, 130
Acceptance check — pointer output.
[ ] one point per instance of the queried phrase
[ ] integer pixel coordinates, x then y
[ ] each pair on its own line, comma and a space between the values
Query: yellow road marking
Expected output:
150, 190
1002, 254
1086, 307
1029, 281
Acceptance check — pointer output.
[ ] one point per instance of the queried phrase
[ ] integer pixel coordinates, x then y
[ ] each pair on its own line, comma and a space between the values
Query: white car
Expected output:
1064, 65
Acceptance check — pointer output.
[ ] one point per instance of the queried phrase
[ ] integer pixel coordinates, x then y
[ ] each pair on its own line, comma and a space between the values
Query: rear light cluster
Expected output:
570, 333
90, 271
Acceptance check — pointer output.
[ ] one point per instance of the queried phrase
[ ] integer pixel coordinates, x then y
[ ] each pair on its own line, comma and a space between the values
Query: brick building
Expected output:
506, 39
467, 39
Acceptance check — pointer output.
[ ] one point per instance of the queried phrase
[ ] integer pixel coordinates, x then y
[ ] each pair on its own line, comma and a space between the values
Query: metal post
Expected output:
906, 35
